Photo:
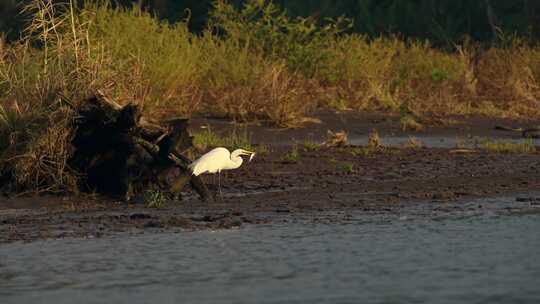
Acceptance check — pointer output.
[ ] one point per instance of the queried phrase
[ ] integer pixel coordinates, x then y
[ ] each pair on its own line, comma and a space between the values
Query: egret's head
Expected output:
245, 152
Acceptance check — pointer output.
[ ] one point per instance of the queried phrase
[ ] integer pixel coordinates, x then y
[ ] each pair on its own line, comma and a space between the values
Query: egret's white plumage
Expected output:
219, 159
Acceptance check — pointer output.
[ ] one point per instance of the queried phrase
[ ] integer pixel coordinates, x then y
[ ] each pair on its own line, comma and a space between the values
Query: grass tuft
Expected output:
409, 123
345, 167
310, 145
293, 156
154, 199
374, 140
234, 140
527, 146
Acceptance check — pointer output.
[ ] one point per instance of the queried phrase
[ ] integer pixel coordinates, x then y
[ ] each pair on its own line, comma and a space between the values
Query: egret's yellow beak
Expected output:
251, 154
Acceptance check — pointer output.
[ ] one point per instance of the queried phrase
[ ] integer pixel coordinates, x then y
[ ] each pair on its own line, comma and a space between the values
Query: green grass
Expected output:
234, 140
527, 146
154, 199
292, 156
310, 145
345, 167
341, 166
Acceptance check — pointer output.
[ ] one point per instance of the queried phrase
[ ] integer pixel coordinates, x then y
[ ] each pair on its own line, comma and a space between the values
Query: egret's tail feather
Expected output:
193, 169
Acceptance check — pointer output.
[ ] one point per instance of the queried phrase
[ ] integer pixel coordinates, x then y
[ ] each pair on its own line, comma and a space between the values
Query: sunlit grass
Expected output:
499, 146
292, 156
154, 199
413, 143
208, 139
374, 140
310, 145
409, 123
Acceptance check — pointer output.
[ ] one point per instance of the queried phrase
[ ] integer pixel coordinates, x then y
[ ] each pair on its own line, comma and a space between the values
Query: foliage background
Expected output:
443, 22
425, 61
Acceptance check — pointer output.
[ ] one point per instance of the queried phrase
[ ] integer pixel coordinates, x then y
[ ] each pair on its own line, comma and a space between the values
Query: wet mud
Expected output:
275, 187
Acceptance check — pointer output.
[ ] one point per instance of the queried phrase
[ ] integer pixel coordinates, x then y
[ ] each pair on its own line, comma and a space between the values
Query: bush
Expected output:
263, 27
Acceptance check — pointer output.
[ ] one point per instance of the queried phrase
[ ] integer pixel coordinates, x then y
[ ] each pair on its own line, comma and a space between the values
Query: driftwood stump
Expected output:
122, 154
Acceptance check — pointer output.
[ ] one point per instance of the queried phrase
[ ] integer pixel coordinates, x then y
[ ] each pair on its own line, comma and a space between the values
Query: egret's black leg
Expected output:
219, 185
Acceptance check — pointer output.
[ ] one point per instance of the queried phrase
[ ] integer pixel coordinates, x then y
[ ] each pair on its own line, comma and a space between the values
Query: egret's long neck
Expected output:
236, 161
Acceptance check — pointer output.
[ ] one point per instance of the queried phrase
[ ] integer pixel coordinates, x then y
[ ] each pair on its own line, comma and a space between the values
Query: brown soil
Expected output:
273, 188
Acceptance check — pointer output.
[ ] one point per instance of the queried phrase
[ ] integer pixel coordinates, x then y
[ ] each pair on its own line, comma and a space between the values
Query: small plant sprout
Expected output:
292, 156
310, 145
154, 199
345, 167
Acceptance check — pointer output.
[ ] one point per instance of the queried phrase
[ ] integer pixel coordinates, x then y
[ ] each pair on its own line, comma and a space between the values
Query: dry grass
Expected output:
336, 139
527, 146
508, 81
249, 74
374, 140
387, 73
413, 143
410, 123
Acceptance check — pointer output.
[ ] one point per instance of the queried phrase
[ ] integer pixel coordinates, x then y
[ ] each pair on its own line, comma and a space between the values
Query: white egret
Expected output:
219, 159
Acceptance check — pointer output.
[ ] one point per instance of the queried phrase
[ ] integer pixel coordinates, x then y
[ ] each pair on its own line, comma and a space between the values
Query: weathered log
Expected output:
177, 160
122, 153
194, 180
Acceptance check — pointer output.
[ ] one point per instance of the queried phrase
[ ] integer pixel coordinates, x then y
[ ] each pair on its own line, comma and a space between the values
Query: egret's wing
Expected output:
210, 162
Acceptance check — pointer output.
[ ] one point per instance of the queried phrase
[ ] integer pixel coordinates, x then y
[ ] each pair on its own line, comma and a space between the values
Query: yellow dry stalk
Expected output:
43, 167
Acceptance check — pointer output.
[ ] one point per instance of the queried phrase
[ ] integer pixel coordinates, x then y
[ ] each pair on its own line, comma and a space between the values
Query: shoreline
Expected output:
315, 180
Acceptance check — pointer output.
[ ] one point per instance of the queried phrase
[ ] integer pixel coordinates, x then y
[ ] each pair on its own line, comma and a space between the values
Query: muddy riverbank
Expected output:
292, 179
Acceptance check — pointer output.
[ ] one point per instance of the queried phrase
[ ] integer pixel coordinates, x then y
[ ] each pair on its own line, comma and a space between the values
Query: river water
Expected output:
482, 255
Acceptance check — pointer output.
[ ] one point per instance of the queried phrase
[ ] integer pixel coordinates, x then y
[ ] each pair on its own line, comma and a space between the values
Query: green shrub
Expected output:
264, 27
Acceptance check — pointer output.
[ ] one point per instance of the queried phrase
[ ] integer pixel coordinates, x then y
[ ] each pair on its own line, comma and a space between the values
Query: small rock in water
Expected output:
283, 210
